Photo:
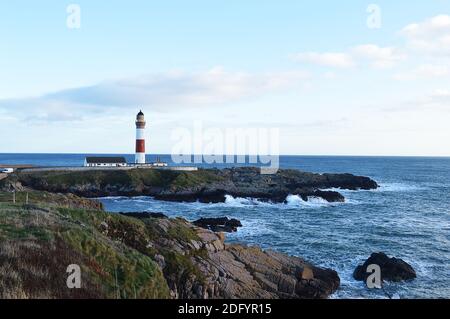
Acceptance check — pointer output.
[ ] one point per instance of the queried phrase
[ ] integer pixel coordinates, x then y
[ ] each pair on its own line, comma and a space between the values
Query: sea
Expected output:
407, 217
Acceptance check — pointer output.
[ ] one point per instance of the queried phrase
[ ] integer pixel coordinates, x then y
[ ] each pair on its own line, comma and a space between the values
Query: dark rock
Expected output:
144, 215
329, 196
317, 283
222, 224
350, 182
392, 269
190, 196
216, 196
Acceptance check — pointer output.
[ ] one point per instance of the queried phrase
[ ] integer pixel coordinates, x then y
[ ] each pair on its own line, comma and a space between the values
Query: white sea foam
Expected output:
383, 187
239, 201
297, 201
398, 187
231, 201
255, 227
291, 201
111, 198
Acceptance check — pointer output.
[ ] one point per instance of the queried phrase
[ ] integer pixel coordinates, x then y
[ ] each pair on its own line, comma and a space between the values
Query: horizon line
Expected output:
168, 154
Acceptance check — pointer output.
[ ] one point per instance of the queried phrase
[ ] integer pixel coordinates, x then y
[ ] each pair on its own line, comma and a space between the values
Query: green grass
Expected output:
200, 177
49, 199
117, 260
179, 231
33, 196
20, 233
111, 268
127, 178
124, 271
181, 268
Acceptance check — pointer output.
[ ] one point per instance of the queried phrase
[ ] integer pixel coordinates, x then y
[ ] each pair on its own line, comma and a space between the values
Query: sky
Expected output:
349, 78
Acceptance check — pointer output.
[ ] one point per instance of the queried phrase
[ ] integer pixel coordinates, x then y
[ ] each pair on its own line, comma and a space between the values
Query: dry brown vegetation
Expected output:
38, 242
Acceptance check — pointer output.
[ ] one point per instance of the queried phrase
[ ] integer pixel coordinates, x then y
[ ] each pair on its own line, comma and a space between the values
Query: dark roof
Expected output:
106, 160
140, 113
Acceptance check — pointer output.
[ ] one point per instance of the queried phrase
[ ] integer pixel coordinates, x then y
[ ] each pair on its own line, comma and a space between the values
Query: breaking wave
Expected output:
291, 202
296, 200
239, 201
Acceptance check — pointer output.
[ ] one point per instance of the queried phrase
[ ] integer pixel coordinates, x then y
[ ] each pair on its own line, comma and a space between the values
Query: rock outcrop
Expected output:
204, 185
10, 184
144, 215
221, 224
219, 270
392, 269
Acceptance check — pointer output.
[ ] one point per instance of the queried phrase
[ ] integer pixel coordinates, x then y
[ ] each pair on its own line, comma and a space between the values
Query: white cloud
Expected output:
331, 59
432, 102
329, 75
431, 35
438, 100
441, 95
174, 89
379, 57
424, 71
375, 56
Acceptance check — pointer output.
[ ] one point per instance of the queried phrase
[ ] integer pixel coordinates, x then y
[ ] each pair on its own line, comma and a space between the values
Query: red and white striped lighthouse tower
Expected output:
140, 139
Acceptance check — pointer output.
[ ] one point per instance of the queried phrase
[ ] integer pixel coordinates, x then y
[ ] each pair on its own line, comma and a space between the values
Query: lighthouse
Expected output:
140, 138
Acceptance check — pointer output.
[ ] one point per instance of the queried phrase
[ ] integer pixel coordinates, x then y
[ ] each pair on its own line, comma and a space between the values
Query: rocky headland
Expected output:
204, 185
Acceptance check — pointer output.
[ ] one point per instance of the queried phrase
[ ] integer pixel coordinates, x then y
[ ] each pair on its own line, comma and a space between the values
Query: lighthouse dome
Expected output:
140, 116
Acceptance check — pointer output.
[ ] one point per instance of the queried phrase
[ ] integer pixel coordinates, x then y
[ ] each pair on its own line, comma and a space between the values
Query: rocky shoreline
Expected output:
138, 255
238, 271
184, 260
205, 185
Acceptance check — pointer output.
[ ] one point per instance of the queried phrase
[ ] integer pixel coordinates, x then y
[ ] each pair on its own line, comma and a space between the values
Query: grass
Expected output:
136, 178
15, 232
179, 231
36, 269
123, 271
39, 241
116, 253
49, 199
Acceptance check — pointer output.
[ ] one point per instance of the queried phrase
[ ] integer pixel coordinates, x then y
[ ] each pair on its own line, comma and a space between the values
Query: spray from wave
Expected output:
292, 201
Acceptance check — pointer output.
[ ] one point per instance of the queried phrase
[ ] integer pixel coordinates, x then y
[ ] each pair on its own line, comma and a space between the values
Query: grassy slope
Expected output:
135, 178
38, 242
51, 199
116, 253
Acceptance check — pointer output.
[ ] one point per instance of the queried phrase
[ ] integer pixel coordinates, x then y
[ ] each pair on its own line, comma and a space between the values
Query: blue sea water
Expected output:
407, 217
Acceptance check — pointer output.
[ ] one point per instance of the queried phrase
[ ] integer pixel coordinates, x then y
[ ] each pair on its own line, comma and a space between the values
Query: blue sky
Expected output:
314, 69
